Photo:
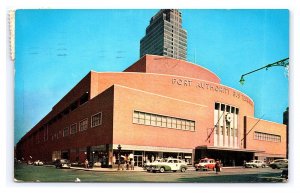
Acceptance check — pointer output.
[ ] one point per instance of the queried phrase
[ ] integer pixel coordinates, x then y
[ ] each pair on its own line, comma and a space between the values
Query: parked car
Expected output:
256, 164
205, 164
279, 163
62, 163
148, 165
170, 164
285, 173
38, 163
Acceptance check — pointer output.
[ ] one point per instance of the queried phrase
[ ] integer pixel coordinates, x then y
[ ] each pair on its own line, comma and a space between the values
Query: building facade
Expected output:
165, 35
158, 107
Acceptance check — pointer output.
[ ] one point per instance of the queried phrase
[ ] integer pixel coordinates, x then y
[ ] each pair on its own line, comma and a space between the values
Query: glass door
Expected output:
138, 160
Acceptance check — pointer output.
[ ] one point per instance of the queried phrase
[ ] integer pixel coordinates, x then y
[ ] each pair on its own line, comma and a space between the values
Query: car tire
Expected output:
162, 170
183, 169
174, 171
197, 169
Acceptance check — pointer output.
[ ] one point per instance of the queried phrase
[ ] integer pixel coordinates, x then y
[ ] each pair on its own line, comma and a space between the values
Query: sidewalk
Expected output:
99, 169
136, 169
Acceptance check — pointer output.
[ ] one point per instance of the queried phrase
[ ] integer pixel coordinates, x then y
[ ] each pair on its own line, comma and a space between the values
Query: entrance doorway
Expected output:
138, 160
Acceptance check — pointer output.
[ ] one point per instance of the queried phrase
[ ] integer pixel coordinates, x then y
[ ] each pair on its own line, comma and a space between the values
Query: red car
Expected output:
206, 164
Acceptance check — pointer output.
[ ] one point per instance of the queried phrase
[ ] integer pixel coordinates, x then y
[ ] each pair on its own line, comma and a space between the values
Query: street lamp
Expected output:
283, 63
119, 156
93, 158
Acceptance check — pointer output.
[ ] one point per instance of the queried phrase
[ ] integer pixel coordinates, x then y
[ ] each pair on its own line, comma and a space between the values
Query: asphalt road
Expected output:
29, 173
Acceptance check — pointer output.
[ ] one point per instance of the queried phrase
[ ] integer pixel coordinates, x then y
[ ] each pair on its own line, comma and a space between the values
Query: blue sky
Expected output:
55, 49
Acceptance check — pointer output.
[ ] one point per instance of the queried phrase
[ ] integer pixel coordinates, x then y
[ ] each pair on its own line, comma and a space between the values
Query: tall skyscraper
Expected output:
165, 36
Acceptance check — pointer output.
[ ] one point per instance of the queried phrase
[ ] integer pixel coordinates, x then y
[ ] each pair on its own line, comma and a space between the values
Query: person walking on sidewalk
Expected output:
218, 167
86, 163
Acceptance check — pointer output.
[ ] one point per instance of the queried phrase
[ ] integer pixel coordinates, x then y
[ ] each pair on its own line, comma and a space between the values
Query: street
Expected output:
30, 173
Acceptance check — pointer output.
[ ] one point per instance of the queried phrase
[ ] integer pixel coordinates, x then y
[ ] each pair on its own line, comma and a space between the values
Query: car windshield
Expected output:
204, 161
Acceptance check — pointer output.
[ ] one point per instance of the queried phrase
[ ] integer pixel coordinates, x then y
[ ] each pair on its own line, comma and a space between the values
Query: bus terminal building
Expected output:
158, 107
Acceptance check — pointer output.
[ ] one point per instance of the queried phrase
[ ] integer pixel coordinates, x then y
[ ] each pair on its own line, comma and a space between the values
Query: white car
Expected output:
255, 163
170, 164
148, 165
38, 163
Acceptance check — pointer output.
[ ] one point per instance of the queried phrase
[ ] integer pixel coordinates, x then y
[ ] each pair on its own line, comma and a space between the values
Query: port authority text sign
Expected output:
218, 89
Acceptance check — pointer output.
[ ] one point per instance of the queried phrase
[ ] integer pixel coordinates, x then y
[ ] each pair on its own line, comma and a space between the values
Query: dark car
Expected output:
285, 173
62, 163
279, 163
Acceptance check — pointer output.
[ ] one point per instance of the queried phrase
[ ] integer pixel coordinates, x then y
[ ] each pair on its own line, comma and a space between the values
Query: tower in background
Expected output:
165, 35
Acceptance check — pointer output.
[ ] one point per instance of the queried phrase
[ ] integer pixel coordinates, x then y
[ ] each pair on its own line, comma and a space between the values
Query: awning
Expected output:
228, 149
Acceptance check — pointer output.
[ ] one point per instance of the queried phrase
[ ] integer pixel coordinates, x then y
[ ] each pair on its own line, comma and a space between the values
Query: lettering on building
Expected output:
218, 89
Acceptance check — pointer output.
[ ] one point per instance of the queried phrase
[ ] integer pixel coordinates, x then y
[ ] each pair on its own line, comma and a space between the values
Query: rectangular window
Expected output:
173, 123
141, 118
83, 125
217, 106
216, 130
66, 132
153, 120
158, 119
73, 129
135, 117
222, 107
96, 120
267, 137
147, 119
192, 125
162, 121
169, 122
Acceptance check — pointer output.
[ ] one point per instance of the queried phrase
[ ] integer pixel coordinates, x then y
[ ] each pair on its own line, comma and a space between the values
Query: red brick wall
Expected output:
171, 66
275, 148
125, 132
98, 135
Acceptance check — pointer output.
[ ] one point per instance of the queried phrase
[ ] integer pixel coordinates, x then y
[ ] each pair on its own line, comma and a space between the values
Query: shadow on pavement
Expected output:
242, 178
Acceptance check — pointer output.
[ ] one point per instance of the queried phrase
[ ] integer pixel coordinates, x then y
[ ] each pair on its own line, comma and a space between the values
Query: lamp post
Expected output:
283, 63
119, 156
93, 158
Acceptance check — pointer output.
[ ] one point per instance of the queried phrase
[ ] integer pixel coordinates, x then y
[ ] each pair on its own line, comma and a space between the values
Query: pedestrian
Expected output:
218, 167
132, 164
127, 162
86, 163
114, 159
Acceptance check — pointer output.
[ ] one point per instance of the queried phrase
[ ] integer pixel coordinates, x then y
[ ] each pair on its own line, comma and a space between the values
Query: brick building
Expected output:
157, 107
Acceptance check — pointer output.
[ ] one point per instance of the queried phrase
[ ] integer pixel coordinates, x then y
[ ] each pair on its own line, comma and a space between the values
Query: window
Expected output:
66, 132
73, 128
83, 125
96, 120
153, 120
267, 137
162, 121
147, 119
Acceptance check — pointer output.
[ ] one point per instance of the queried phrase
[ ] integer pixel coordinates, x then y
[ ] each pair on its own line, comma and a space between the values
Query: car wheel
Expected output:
162, 170
183, 169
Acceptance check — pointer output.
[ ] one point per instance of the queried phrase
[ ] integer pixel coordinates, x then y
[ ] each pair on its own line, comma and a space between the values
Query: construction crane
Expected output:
283, 63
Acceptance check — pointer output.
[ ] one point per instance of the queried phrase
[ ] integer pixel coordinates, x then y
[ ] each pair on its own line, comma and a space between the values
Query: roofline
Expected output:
199, 66
265, 120
180, 77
